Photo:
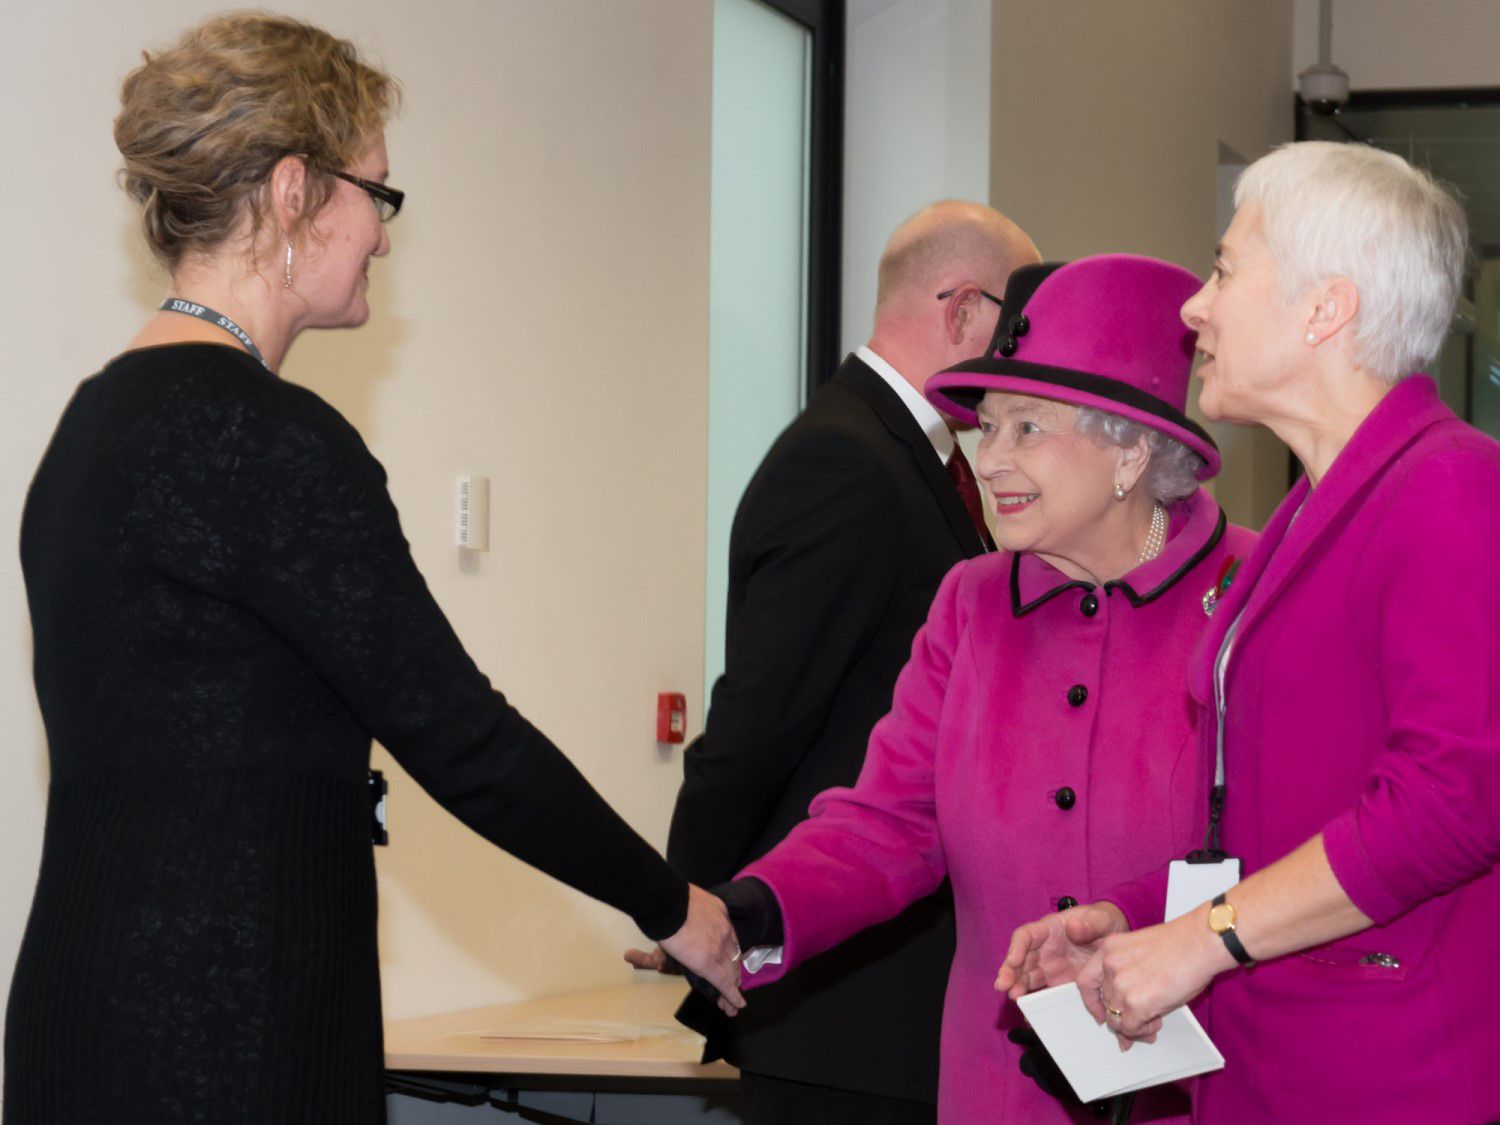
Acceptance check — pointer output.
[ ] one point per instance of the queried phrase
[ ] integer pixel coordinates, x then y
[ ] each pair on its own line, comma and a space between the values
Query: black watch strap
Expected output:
1232, 940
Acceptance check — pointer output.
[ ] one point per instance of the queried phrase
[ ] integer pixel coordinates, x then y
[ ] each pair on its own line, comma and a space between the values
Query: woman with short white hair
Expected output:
1347, 686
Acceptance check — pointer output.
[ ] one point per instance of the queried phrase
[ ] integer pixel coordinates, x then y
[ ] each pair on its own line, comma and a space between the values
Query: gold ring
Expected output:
1113, 1011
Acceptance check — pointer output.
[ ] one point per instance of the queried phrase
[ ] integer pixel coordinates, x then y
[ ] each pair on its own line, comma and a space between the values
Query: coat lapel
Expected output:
1252, 567
1308, 514
855, 375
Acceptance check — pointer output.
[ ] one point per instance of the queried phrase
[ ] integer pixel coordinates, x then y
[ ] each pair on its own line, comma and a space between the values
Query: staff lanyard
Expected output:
1211, 852
218, 320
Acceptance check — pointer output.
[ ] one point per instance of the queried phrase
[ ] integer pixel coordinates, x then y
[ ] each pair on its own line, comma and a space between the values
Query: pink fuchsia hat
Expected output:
1102, 332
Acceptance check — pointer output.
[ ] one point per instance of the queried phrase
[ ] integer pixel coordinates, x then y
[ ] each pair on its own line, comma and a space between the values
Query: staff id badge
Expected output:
1191, 883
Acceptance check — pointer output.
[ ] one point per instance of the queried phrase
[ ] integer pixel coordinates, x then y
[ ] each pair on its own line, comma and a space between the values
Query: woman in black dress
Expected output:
225, 613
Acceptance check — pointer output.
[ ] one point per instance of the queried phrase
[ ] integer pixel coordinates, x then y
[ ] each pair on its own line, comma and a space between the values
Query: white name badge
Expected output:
1192, 884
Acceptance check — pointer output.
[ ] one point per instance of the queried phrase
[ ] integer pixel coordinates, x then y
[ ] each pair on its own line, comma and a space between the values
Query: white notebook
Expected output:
1089, 1055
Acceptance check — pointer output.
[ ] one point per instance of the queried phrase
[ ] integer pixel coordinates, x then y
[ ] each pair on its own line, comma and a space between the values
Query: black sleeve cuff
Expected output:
670, 911
753, 911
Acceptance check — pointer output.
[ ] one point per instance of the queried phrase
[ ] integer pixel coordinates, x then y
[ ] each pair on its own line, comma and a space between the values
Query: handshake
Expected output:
721, 923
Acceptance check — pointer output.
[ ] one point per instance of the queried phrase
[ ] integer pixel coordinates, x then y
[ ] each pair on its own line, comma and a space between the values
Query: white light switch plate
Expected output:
473, 527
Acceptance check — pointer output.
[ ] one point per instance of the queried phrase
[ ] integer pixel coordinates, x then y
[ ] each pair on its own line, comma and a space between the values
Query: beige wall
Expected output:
542, 320
1404, 44
1106, 127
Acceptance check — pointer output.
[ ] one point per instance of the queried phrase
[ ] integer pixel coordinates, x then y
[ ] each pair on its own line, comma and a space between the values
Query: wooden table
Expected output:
466, 1056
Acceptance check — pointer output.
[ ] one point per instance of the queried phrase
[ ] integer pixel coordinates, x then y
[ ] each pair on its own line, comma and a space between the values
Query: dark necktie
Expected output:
968, 491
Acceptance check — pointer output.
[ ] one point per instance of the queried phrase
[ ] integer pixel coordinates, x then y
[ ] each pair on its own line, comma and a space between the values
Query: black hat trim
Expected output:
1088, 383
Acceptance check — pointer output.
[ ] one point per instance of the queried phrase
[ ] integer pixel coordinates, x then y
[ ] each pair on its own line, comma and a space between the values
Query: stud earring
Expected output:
1312, 338
1119, 491
286, 281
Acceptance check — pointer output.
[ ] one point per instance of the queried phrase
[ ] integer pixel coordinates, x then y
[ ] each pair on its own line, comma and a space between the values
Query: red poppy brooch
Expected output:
1216, 592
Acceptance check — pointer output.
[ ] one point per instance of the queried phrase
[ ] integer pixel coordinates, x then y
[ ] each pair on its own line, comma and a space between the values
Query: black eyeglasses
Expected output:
946, 293
387, 199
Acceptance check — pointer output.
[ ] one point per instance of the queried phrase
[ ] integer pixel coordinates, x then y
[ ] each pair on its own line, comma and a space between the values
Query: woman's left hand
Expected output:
1052, 950
1137, 978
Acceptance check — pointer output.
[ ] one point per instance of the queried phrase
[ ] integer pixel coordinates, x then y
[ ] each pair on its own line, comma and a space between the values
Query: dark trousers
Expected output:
777, 1101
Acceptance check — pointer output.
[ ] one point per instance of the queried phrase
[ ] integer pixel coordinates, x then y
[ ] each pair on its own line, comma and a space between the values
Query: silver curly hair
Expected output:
1172, 472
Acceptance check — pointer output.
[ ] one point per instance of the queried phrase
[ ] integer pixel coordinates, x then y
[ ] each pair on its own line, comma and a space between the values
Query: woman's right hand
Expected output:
707, 946
1052, 950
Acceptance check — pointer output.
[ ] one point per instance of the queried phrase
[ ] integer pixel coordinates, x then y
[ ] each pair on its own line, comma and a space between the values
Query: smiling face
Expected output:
333, 273
1050, 487
1250, 336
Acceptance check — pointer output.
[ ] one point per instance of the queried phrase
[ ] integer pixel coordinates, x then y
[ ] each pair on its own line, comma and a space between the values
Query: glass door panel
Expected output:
757, 267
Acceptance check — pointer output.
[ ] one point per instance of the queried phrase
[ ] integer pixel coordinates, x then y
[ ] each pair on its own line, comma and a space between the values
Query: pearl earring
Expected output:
286, 281
1119, 491
1312, 338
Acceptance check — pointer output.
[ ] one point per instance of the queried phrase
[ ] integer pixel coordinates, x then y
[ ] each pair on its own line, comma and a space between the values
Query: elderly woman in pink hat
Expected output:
1349, 685
1039, 747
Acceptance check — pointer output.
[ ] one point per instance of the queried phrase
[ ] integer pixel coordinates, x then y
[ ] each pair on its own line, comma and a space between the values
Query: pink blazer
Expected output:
1363, 702
1040, 748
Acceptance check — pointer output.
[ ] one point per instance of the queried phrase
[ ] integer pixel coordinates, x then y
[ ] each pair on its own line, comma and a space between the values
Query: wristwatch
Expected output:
1222, 920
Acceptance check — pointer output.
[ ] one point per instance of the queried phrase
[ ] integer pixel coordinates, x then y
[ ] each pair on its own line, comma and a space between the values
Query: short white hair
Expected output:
1171, 473
1348, 210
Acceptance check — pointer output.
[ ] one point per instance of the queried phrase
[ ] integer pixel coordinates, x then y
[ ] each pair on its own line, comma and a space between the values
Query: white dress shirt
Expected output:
924, 412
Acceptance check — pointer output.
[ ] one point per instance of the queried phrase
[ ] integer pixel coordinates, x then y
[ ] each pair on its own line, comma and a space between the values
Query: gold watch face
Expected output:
1221, 918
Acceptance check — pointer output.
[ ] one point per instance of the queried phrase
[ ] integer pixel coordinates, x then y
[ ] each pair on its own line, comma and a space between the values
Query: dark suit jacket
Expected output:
837, 549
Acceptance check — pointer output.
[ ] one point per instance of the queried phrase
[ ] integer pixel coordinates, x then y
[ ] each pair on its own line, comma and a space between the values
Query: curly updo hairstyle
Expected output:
1171, 473
203, 123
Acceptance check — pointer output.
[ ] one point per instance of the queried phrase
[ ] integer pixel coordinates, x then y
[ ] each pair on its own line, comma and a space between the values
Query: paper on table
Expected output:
555, 1029
1089, 1055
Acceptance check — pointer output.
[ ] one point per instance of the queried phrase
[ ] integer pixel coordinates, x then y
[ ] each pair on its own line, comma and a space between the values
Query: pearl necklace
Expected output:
1156, 538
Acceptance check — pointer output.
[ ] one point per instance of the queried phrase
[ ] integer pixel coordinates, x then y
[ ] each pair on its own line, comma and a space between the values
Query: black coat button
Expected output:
1065, 798
1090, 605
1019, 325
1067, 902
1078, 695
1008, 346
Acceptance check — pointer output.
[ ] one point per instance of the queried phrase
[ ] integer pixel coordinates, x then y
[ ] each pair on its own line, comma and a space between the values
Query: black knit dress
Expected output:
225, 613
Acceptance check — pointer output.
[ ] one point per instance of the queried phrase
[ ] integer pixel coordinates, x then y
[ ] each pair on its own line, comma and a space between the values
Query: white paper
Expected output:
1190, 885
1089, 1055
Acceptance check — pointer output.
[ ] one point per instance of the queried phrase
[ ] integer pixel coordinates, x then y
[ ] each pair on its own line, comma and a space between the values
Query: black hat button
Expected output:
1008, 346
1065, 798
1078, 695
1019, 325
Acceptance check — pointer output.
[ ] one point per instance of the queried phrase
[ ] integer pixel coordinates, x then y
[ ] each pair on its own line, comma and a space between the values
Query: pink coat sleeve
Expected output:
867, 853
1143, 901
1429, 817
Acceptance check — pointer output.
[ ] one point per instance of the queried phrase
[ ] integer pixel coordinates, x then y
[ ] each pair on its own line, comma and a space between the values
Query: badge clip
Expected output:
378, 790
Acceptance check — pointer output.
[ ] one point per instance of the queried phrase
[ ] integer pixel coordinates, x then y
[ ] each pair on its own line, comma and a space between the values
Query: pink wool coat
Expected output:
1363, 702
1039, 749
